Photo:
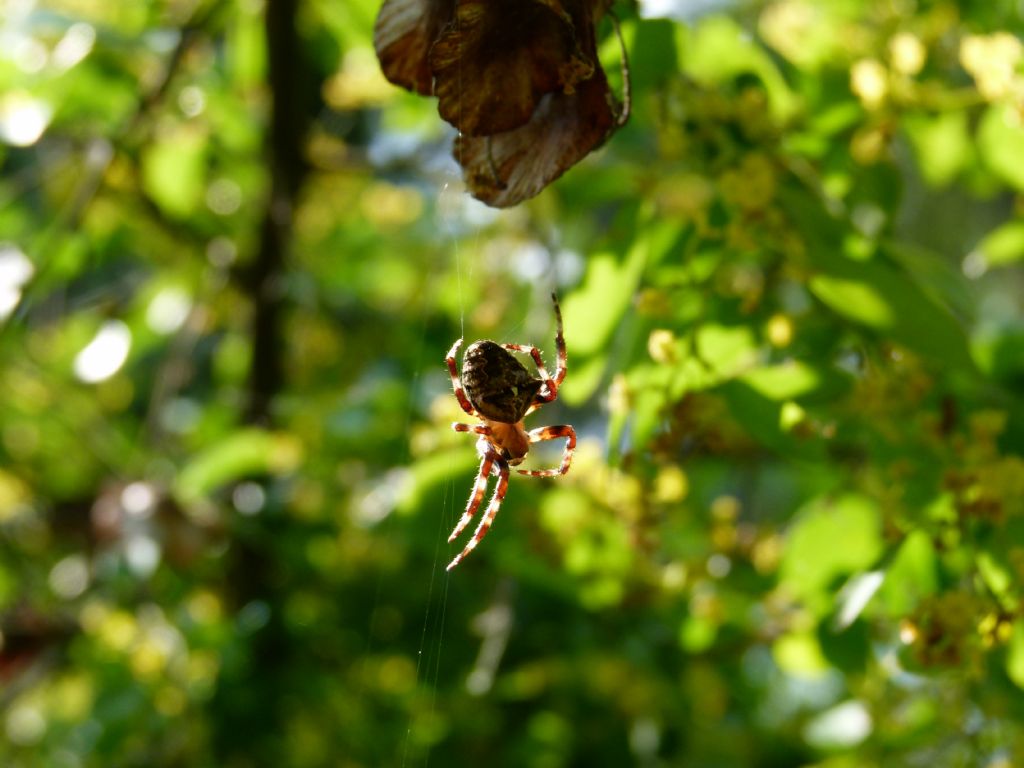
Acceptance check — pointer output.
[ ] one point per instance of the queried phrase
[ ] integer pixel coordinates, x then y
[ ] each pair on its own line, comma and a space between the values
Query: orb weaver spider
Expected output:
499, 391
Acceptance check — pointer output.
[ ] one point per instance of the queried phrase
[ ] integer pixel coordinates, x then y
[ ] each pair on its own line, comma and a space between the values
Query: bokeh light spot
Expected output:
74, 46
168, 310
70, 577
23, 119
105, 354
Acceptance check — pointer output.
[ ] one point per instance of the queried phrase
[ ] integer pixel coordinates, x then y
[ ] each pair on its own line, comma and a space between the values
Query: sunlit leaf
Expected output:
431, 481
856, 298
596, 309
650, 391
718, 50
997, 575
727, 349
876, 294
1003, 245
243, 454
942, 144
245, 50
763, 419
911, 575
174, 171
1001, 144
800, 655
1015, 654
830, 538
784, 382
697, 634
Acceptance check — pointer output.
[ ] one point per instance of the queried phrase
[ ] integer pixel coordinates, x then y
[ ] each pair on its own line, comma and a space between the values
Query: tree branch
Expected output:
288, 78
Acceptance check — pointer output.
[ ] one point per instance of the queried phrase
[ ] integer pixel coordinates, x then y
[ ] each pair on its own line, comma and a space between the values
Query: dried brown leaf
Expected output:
498, 58
507, 168
402, 36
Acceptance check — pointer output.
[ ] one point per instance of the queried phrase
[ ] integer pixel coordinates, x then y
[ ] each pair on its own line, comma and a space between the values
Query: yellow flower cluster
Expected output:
994, 61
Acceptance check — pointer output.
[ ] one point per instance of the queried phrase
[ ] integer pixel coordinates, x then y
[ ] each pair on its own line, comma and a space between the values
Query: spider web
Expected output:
451, 200
430, 650
431, 644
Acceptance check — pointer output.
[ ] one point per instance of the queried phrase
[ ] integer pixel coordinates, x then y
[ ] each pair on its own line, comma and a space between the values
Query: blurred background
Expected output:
232, 258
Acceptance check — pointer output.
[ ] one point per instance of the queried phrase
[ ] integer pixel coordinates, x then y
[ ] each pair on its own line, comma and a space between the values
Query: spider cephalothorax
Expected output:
498, 389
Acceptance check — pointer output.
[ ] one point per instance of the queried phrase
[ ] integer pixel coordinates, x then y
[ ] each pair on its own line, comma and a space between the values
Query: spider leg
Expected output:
460, 393
480, 429
476, 496
547, 394
553, 433
560, 346
500, 467
533, 352
551, 384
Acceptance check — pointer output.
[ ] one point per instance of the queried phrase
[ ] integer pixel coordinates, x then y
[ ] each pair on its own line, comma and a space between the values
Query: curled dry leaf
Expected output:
520, 79
507, 168
402, 36
497, 58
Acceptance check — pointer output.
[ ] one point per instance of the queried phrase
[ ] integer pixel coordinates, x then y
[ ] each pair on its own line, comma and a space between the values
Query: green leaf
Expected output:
848, 650
653, 54
1015, 654
800, 654
830, 538
941, 279
857, 298
996, 575
911, 576
594, 312
174, 171
761, 418
697, 634
727, 349
790, 380
242, 454
719, 49
245, 50
942, 144
425, 487
1001, 144
873, 292
1003, 245
884, 299
647, 412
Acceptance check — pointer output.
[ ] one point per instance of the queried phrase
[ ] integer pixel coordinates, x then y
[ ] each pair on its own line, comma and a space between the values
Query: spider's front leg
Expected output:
532, 351
453, 371
553, 433
490, 462
551, 383
560, 361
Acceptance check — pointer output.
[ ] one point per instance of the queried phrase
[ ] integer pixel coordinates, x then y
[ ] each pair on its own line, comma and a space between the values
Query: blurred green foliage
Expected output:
793, 532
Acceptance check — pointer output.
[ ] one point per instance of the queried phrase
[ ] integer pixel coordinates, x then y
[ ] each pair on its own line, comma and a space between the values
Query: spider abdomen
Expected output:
497, 384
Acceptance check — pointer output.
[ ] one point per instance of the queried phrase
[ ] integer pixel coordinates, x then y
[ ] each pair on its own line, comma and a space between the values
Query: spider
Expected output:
497, 389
